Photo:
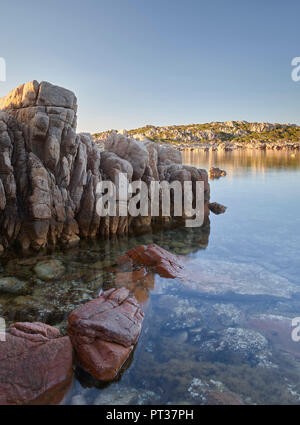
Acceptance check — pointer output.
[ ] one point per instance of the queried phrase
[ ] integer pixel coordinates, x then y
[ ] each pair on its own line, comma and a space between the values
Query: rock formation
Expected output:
36, 365
216, 173
104, 332
49, 174
217, 208
158, 259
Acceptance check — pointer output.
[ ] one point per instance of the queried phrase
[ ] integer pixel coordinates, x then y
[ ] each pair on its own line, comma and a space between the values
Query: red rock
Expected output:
139, 282
104, 332
164, 263
102, 359
36, 365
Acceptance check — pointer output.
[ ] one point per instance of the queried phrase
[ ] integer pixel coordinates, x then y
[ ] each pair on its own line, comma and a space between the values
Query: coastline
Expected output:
217, 136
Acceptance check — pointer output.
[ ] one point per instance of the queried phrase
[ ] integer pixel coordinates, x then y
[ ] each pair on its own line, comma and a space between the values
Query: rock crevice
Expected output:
49, 174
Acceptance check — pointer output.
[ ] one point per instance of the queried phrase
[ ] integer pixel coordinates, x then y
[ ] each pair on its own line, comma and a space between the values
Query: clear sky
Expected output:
160, 62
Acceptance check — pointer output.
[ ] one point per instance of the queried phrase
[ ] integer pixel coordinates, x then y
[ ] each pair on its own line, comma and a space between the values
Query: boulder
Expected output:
104, 332
12, 285
168, 155
49, 175
36, 365
161, 261
112, 166
49, 269
131, 150
216, 173
217, 208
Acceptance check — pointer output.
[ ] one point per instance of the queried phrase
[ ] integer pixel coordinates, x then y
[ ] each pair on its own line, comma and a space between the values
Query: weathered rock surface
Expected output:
216, 173
49, 174
36, 365
163, 262
104, 332
217, 208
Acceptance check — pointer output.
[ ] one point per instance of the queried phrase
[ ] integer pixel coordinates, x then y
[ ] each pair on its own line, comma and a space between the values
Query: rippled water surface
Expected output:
223, 335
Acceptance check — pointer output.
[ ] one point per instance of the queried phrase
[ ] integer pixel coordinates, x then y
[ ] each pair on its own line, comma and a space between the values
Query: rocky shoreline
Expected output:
234, 146
49, 174
219, 136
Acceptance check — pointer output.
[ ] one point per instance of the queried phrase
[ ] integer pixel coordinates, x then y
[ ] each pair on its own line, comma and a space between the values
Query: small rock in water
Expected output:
49, 270
11, 285
217, 208
163, 262
216, 173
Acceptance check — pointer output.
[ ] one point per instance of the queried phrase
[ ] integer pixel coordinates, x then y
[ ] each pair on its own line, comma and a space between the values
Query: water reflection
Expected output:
239, 161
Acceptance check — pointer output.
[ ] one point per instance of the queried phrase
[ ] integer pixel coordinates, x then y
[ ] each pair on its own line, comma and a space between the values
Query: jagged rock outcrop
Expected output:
49, 174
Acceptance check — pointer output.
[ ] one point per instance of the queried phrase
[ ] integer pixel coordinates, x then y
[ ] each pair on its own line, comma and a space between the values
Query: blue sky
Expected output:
160, 62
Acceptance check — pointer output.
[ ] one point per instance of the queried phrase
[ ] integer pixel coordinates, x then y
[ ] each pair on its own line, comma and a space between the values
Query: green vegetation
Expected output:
217, 132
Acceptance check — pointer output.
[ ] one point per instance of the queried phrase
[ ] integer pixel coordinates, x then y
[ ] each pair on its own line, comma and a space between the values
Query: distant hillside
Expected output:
235, 132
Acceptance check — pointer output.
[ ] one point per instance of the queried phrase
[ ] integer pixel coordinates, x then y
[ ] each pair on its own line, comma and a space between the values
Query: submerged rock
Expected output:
236, 343
278, 330
49, 270
180, 313
224, 277
36, 365
122, 396
11, 285
212, 392
163, 262
212, 277
104, 332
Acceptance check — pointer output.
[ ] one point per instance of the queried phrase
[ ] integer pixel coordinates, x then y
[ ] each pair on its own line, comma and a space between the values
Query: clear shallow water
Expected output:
223, 335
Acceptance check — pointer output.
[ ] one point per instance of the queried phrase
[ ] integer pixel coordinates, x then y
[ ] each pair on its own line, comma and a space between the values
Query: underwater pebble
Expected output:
49, 270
